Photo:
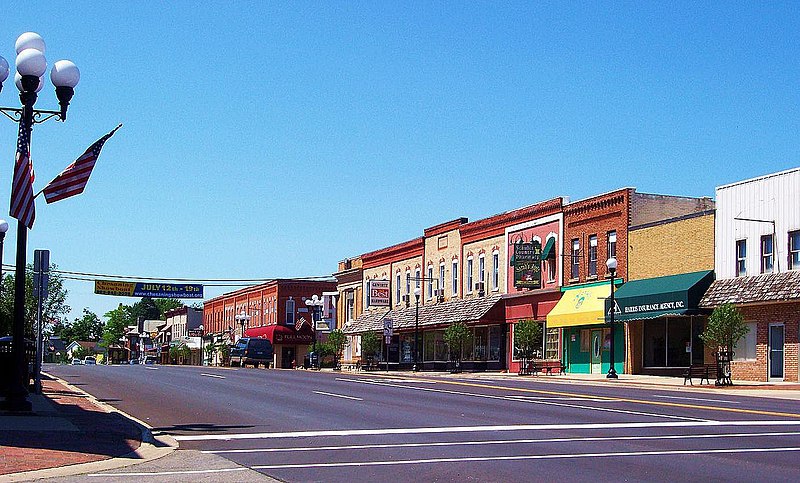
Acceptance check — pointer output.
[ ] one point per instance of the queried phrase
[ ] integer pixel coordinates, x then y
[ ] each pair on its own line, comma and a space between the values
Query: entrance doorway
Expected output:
776, 338
287, 357
597, 351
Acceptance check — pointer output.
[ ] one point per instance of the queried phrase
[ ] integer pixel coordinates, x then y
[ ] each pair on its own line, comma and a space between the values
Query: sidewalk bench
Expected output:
352, 366
701, 371
548, 367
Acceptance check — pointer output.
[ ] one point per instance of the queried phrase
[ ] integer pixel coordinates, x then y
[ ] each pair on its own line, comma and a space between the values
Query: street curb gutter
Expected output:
152, 447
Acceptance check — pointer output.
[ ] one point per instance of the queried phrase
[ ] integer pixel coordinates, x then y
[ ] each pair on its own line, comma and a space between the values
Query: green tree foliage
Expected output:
165, 305
337, 341
456, 336
117, 320
88, 327
80, 352
370, 345
146, 309
527, 339
725, 328
180, 354
54, 307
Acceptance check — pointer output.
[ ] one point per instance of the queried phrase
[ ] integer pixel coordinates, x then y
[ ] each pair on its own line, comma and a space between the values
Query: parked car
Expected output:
76, 362
89, 360
252, 351
151, 360
133, 362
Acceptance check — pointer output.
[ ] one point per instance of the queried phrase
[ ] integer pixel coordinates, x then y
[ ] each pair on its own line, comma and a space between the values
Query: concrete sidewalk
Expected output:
69, 432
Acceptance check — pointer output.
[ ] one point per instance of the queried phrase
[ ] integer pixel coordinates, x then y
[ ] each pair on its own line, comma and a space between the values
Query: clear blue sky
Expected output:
272, 139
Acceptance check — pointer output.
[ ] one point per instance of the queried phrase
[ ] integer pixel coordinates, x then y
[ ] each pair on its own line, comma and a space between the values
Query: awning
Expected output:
656, 297
282, 334
582, 305
548, 247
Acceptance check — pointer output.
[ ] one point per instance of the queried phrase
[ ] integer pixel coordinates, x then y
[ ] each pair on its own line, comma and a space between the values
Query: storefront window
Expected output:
481, 343
669, 342
495, 342
435, 348
407, 348
551, 344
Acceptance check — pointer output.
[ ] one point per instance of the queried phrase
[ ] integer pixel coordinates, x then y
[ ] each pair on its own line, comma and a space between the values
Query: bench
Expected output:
701, 371
548, 367
352, 366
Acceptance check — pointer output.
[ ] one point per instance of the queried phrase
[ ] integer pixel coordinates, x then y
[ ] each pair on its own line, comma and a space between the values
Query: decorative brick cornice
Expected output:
496, 225
600, 202
394, 253
444, 227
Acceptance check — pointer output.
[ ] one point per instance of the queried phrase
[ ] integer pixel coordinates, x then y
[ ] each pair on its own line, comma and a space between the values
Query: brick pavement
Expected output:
66, 428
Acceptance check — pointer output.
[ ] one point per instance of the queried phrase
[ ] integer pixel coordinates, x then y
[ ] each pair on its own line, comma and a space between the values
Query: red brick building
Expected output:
276, 311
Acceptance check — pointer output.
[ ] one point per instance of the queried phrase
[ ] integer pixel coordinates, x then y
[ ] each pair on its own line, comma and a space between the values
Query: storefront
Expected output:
534, 305
585, 336
289, 345
664, 322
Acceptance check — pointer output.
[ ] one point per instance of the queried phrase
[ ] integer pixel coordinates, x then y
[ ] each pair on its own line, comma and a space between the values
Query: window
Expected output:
397, 289
417, 276
612, 244
741, 258
349, 305
593, 255
550, 265
469, 275
794, 250
746, 347
455, 277
430, 281
441, 276
408, 282
290, 311
767, 254
495, 270
576, 259
551, 344
481, 269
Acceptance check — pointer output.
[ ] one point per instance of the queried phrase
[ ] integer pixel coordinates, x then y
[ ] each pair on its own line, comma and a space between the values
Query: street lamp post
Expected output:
611, 263
417, 292
31, 66
3, 230
315, 304
243, 320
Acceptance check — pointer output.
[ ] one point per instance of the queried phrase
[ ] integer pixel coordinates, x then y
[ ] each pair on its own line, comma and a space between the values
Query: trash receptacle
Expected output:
7, 362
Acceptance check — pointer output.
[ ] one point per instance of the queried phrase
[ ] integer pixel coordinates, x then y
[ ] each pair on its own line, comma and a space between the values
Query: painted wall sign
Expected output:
528, 265
154, 289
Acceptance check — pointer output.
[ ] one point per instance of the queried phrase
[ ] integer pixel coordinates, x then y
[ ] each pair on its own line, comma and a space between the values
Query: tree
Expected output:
527, 340
725, 328
370, 345
165, 305
118, 320
146, 309
180, 353
89, 327
337, 341
457, 335
54, 306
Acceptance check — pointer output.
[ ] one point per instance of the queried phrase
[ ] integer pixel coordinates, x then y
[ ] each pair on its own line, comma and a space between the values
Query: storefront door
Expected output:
776, 351
287, 358
597, 351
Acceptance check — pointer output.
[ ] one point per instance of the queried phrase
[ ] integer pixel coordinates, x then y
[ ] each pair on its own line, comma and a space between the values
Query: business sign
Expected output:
388, 327
378, 293
528, 265
649, 306
150, 289
195, 332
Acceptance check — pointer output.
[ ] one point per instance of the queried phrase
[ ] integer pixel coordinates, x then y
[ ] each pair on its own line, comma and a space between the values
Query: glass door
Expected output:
597, 351
776, 351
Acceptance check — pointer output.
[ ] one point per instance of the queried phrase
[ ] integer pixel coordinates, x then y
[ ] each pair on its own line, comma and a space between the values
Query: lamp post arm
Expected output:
39, 115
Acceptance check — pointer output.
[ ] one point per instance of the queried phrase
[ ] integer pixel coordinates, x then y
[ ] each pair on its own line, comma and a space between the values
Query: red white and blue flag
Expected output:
23, 207
73, 179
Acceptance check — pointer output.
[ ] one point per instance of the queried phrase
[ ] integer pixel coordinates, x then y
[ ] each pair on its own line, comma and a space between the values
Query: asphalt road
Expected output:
324, 426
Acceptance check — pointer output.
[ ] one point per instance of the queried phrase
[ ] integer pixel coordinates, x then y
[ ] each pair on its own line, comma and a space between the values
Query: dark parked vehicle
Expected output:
251, 351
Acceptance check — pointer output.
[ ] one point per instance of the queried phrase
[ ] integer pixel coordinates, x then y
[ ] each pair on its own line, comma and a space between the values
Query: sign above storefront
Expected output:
528, 265
154, 289
378, 293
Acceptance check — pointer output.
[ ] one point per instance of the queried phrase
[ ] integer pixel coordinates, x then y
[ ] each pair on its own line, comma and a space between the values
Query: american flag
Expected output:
73, 179
22, 204
300, 323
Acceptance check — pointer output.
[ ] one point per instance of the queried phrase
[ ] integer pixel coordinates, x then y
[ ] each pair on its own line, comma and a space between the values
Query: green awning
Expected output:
548, 247
655, 297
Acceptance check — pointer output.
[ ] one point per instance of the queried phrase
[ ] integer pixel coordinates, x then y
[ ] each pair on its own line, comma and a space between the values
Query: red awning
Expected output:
282, 334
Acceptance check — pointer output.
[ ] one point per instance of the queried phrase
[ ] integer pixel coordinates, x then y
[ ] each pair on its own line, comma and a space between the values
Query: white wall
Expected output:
771, 197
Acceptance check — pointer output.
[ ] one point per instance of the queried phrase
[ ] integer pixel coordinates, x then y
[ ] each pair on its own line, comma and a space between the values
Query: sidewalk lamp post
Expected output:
243, 320
3, 230
417, 292
315, 305
31, 66
611, 263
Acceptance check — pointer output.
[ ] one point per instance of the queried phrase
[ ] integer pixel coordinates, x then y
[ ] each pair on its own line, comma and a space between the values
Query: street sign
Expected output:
388, 327
388, 339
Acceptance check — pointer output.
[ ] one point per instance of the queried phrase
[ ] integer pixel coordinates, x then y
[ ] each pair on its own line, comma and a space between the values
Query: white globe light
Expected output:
18, 82
611, 263
31, 62
3, 69
65, 74
3, 226
30, 40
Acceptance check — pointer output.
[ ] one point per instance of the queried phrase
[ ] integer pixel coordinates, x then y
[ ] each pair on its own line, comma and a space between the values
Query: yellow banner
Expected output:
111, 287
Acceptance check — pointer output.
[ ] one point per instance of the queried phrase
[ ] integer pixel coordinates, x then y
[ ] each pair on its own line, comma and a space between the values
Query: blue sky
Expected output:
272, 139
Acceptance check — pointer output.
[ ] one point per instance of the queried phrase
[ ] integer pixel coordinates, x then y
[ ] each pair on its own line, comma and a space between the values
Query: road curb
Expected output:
151, 448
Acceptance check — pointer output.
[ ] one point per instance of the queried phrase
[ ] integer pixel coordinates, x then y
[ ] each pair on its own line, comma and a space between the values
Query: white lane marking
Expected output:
338, 395
151, 368
507, 441
527, 457
212, 375
168, 473
478, 429
547, 403
700, 399
540, 398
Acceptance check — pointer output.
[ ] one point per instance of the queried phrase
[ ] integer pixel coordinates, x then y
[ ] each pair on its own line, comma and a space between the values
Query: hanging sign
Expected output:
378, 293
150, 289
528, 265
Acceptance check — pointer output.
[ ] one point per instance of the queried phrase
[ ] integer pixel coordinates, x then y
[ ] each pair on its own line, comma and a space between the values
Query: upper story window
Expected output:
611, 249
430, 281
408, 282
741, 258
593, 255
495, 270
469, 275
417, 277
290, 311
441, 276
481, 268
455, 277
349, 305
767, 254
794, 250
550, 265
397, 289
575, 260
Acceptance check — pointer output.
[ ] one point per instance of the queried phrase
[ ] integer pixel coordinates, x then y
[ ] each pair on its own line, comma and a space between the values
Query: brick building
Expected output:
349, 284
